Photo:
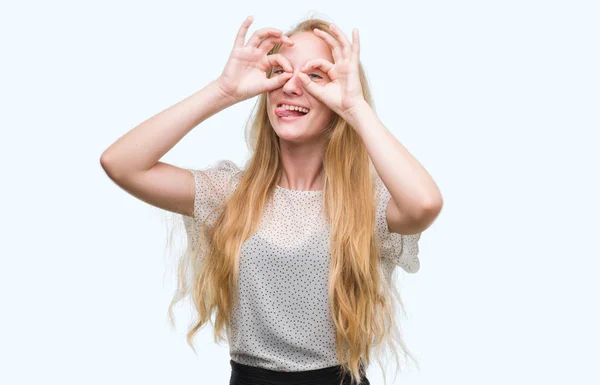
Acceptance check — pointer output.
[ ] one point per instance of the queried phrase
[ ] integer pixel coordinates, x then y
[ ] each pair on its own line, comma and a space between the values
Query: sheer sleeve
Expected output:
213, 186
399, 249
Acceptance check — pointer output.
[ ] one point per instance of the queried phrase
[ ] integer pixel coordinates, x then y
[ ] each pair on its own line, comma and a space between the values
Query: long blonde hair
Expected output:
362, 300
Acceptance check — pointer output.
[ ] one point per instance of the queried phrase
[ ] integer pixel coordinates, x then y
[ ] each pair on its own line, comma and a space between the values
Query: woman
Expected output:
294, 252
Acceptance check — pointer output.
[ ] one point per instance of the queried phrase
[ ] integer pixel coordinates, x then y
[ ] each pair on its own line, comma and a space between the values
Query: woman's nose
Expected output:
294, 85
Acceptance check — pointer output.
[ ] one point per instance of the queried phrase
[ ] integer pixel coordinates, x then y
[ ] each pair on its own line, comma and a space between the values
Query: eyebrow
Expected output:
314, 69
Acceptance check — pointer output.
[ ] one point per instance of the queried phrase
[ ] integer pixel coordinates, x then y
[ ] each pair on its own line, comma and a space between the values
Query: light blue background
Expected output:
499, 100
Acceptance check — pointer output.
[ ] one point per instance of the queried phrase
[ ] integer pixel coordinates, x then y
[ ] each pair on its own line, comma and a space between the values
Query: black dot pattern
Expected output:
282, 320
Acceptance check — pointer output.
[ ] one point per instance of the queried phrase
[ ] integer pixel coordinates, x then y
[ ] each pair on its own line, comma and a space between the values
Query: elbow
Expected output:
104, 160
432, 208
108, 166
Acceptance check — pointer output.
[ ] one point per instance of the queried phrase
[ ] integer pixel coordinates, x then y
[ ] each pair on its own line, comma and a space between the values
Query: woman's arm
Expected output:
415, 200
141, 148
132, 161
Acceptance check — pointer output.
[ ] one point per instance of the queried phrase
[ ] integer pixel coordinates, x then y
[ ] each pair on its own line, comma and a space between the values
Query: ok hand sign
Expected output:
244, 75
344, 93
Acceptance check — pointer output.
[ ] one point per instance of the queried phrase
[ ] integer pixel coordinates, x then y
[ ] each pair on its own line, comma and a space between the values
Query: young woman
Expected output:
294, 252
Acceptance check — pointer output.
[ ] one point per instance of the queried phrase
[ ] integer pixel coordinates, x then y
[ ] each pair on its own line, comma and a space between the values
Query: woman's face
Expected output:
298, 126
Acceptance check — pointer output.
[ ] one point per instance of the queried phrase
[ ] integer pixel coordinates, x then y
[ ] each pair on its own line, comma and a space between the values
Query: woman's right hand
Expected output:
244, 75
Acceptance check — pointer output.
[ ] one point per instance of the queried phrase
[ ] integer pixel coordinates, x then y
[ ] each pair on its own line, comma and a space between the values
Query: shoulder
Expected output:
219, 175
227, 165
214, 184
220, 167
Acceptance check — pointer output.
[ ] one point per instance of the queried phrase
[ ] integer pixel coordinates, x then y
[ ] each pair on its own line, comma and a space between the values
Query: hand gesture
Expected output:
344, 93
244, 75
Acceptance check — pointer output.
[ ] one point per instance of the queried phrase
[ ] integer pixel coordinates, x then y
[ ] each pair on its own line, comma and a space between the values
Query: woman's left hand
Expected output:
344, 93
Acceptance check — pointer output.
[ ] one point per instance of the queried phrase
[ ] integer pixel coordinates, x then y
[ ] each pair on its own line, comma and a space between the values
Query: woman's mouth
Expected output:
289, 112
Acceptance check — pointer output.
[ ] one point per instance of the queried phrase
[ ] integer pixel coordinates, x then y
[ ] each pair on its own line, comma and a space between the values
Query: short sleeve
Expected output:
213, 186
398, 249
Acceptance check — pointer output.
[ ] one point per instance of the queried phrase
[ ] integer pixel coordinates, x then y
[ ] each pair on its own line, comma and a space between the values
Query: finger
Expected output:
269, 42
240, 38
313, 88
321, 64
344, 42
261, 34
278, 59
355, 45
332, 42
277, 81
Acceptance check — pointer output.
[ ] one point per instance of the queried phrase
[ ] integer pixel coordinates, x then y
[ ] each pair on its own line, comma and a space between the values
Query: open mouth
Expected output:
290, 112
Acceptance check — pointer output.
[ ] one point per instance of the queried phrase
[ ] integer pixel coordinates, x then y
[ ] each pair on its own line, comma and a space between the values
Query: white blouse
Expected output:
282, 321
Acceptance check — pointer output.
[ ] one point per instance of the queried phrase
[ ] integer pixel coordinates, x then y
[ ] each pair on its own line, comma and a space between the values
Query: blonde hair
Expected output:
362, 301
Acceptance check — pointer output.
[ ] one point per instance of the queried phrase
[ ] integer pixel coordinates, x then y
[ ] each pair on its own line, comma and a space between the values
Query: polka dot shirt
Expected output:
282, 321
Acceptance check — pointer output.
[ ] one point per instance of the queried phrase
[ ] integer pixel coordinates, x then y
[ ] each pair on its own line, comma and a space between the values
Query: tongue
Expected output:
283, 112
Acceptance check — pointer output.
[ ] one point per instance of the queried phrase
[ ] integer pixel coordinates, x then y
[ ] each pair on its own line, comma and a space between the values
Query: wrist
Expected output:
222, 93
357, 114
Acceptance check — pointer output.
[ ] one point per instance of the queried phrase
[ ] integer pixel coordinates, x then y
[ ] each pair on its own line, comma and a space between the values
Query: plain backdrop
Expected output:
498, 100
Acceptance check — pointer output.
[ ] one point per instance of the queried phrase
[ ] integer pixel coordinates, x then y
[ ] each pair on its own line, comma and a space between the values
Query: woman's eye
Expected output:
312, 75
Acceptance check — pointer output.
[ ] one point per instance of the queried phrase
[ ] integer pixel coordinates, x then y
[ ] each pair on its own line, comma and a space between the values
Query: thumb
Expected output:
310, 86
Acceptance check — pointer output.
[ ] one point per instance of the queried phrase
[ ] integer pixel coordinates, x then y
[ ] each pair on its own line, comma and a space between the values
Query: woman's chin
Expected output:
289, 132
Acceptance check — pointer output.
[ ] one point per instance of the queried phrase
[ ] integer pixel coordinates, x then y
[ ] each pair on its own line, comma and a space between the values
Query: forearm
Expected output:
410, 185
142, 147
